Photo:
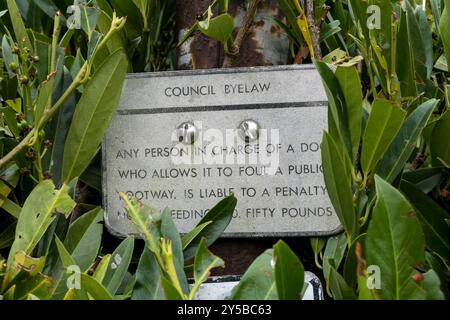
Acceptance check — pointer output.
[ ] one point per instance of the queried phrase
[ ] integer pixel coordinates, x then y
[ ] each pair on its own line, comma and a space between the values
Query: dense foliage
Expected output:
385, 154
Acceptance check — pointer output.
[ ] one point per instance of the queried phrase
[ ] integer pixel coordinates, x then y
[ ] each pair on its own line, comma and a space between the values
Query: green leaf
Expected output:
56, 130
9, 117
350, 83
43, 101
89, 17
420, 40
204, 262
432, 216
404, 143
317, 245
258, 282
334, 252
351, 262
425, 179
391, 246
38, 213
64, 255
219, 28
118, 266
11, 207
7, 236
338, 286
148, 278
133, 27
84, 237
18, 25
438, 267
440, 144
337, 109
8, 56
220, 215
383, 124
405, 60
338, 182
289, 272
170, 292
94, 288
189, 237
92, 115
445, 30
431, 283
49, 8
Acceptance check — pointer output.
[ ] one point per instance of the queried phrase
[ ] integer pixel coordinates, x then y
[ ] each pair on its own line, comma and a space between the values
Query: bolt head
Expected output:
187, 133
249, 130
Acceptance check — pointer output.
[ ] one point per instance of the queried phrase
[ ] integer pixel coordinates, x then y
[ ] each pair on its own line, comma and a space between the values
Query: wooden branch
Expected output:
313, 29
236, 45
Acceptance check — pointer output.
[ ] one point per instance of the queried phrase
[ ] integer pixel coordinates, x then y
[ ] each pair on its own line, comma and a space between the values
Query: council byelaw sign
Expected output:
184, 140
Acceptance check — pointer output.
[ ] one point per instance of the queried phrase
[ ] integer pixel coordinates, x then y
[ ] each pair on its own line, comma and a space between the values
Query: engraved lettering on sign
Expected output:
185, 140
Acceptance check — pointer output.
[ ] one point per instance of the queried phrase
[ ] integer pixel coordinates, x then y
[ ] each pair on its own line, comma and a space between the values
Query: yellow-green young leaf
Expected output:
350, 83
18, 25
37, 214
26, 277
9, 294
93, 114
219, 28
23, 261
383, 124
445, 30
395, 243
258, 282
100, 271
338, 182
289, 272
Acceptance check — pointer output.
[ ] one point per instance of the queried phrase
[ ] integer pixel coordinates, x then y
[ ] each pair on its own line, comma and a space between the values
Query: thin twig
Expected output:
325, 11
420, 158
313, 30
235, 48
